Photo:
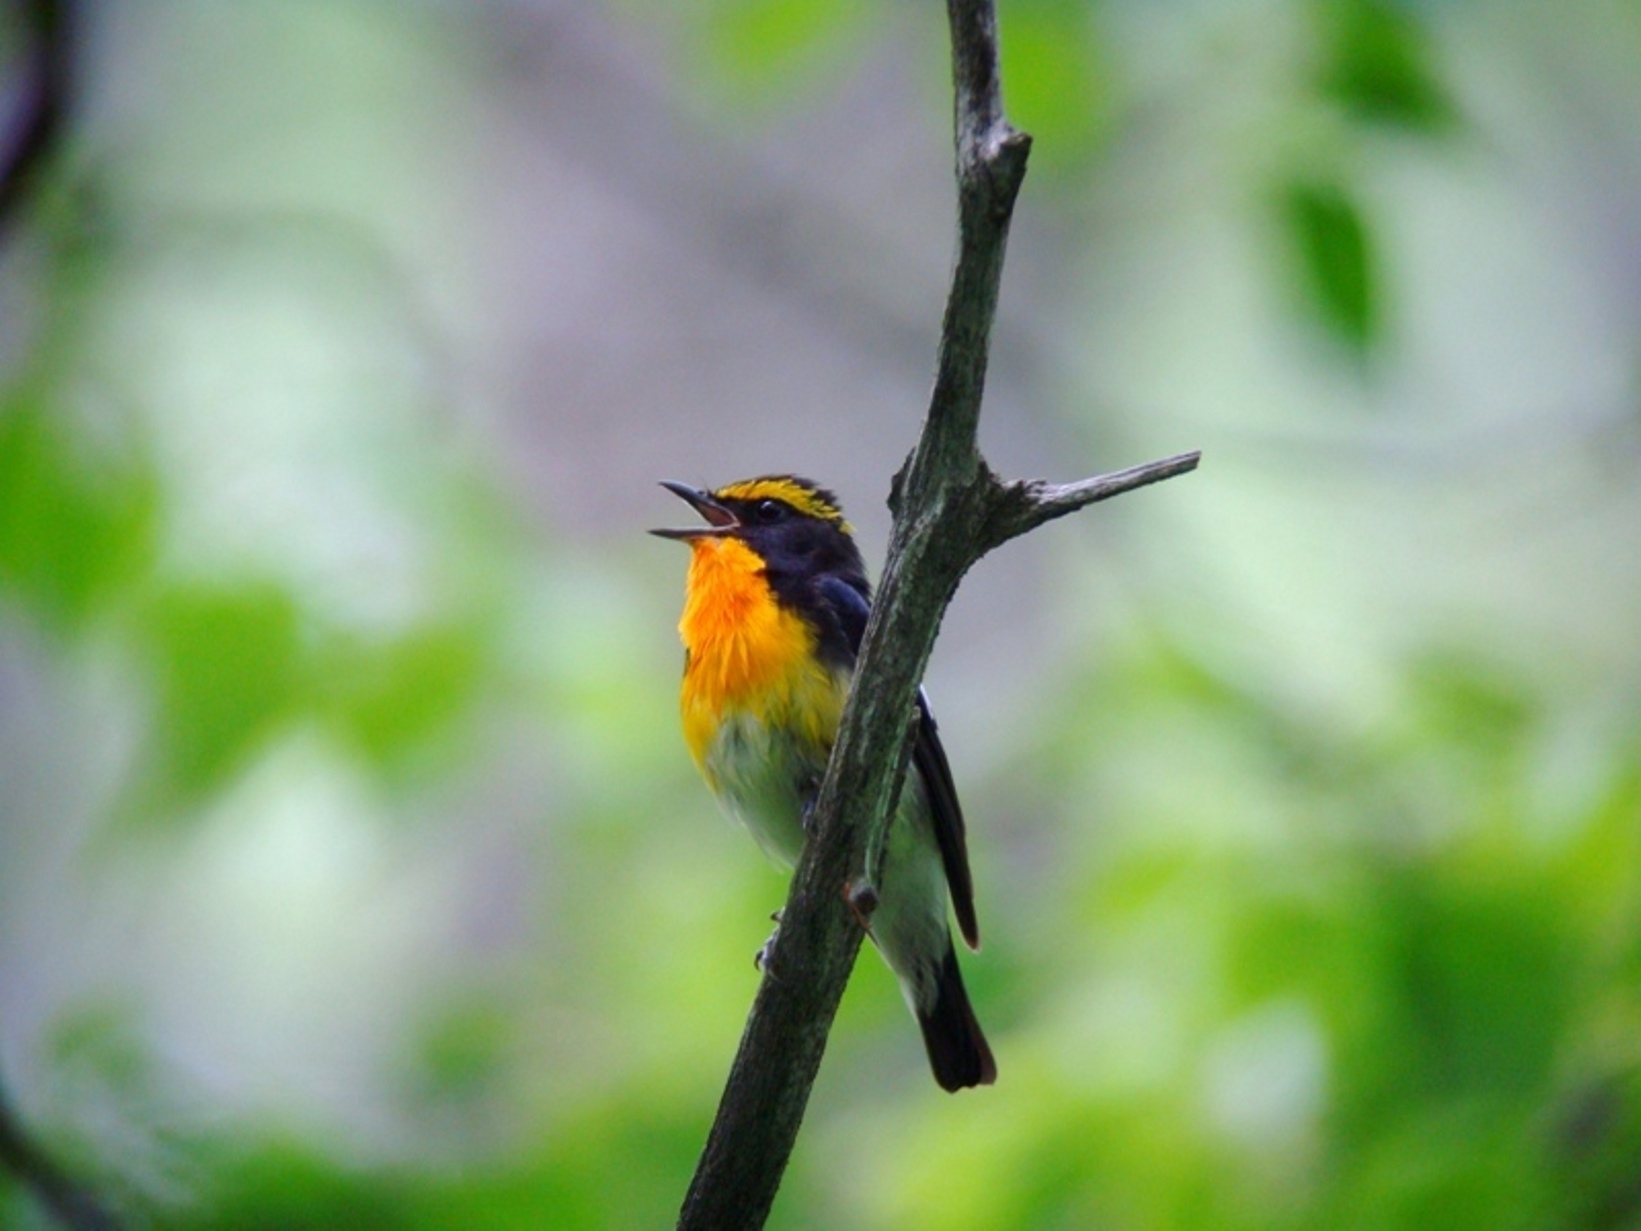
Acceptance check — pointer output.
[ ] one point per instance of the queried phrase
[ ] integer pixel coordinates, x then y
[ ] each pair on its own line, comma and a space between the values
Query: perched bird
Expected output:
776, 605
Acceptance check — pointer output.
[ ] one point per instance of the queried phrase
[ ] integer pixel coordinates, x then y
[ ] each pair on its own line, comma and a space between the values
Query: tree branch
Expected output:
45, 94
949, 511
72, 1206
1027, 503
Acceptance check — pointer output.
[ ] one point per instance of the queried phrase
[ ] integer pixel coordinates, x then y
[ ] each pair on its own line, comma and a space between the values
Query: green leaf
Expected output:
1465, 702
291, 1187
463, 1053
391, 699
1054, 87
1376, 65
1334, 252
228, 669
73, 526
1473, 941
758, 45
15, 1204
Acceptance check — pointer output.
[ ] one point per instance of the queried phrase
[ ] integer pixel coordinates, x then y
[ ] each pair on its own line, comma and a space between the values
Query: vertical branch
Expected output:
785, 1036
44, 113
72, 1206
991, 164
949, 510
29, 139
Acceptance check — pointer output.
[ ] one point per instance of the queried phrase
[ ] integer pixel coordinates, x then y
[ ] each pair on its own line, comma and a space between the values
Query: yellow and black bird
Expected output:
776, 606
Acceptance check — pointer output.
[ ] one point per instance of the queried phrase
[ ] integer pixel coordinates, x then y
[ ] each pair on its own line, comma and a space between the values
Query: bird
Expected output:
776, 603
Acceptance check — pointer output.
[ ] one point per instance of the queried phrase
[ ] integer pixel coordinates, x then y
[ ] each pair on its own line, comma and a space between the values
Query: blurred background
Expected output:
352, 869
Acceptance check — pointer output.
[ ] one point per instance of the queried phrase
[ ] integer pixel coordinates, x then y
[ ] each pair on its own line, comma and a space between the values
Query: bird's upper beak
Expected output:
719, 519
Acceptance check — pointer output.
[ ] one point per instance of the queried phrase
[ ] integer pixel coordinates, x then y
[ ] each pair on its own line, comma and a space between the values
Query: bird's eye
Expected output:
769, 511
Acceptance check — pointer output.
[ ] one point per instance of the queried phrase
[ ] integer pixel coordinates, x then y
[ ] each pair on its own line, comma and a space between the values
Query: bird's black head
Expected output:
794, 525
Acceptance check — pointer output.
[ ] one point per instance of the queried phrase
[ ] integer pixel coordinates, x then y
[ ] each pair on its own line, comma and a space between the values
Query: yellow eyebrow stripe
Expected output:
804, 499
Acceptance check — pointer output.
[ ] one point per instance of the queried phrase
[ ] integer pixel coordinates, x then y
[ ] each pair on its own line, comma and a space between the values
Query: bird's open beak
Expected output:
719, 519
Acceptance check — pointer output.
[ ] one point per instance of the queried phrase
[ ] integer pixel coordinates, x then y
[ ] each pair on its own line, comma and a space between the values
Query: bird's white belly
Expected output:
766, 776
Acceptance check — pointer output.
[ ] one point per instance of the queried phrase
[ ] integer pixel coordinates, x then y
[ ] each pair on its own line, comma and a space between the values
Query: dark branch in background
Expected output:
949, 511
35, 131
31, 136
69, 1204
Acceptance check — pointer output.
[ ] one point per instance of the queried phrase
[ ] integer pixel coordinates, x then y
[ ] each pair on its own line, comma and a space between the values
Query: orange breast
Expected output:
748, 654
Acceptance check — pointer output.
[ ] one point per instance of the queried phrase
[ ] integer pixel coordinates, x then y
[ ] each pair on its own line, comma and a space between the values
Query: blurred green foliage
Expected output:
753, 53
401, 908
74, 526
1055, 81
226, 658
1376, 64
1335, 250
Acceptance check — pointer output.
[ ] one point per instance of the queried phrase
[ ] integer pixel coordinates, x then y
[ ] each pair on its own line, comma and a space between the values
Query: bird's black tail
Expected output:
958, 1053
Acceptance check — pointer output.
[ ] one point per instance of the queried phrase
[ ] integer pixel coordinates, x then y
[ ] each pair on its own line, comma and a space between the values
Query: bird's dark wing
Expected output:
848, 601
930, 759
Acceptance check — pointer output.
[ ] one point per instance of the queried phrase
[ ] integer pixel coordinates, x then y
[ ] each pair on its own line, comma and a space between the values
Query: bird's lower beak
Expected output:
719, 519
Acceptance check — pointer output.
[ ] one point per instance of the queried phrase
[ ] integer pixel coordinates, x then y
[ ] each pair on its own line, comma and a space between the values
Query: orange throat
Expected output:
747, 655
